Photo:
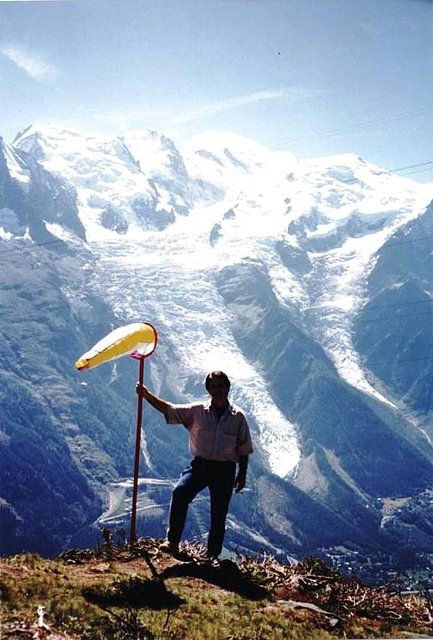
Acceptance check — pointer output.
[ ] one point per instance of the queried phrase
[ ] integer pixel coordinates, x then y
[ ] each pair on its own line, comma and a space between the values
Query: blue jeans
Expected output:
219, 477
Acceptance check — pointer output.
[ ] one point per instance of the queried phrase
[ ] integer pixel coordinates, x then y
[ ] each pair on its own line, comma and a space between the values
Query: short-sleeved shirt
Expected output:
224, 439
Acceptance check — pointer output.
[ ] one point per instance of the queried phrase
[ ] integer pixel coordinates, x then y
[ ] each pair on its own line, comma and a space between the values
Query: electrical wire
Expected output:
361, 125
393, 362
420, 167
33, 245
413, 166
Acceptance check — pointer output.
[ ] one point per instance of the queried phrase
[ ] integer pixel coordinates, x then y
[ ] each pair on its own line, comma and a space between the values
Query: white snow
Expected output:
5, 235
339, 210
15, 167
170, 283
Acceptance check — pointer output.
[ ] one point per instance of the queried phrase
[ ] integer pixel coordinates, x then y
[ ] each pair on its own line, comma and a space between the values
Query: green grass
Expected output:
115, 595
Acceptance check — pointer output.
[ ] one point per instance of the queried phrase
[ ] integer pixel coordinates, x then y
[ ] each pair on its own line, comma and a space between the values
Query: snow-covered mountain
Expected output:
253, 262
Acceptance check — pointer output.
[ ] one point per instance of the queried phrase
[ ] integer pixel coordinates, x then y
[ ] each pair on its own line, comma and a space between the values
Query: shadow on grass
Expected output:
133, 592
226, 575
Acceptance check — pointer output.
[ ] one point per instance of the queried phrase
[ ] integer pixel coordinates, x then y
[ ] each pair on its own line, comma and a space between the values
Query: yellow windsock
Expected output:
137, 340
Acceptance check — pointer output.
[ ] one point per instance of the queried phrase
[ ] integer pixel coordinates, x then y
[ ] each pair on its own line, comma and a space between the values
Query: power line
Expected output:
413, 169
413, 166
361, 125
393, 305
411, 173
423, 358
397, 317
31, 246
390, 245
420, 167
399, 304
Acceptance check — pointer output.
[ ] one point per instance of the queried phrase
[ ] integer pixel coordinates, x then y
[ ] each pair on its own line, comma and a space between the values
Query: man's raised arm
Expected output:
157, 403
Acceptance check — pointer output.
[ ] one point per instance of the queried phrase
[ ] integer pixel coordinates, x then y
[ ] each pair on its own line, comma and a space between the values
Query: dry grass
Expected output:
125, 593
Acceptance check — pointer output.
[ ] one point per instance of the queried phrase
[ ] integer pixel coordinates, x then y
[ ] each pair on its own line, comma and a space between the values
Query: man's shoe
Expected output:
169, 547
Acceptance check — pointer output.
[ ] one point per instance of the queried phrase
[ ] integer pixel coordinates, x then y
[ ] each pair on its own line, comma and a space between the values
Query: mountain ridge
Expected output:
244, 259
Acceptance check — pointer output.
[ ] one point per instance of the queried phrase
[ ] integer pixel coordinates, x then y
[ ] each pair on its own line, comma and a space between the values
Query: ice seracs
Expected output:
162, 224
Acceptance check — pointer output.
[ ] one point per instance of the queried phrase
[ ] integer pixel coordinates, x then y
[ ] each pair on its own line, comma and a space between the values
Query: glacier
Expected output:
336, 211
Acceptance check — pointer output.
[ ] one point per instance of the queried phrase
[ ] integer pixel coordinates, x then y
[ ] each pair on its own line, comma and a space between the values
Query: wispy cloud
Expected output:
173, 116
228, 104
31, 63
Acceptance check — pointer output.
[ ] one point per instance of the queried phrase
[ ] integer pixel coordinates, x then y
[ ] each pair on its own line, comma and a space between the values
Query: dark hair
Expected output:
220, 375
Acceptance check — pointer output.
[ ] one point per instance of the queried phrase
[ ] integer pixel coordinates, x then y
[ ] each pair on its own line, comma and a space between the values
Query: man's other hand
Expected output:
240, 482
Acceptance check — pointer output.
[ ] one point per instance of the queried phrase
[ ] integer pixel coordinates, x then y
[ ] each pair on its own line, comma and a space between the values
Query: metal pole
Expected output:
132, 535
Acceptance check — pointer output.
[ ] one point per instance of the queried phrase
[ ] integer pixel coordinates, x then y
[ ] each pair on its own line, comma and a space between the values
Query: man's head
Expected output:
218, 386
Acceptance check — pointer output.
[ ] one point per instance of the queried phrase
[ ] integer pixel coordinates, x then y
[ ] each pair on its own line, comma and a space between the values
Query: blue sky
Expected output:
314, 77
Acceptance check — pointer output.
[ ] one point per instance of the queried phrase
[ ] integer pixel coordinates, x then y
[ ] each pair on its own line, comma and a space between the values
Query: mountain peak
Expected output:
247, 260
224, 146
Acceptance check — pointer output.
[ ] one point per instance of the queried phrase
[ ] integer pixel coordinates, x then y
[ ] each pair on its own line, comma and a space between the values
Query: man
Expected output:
219, 438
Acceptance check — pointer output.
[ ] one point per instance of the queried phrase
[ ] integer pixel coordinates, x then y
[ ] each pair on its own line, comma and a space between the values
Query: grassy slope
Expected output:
123, 593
